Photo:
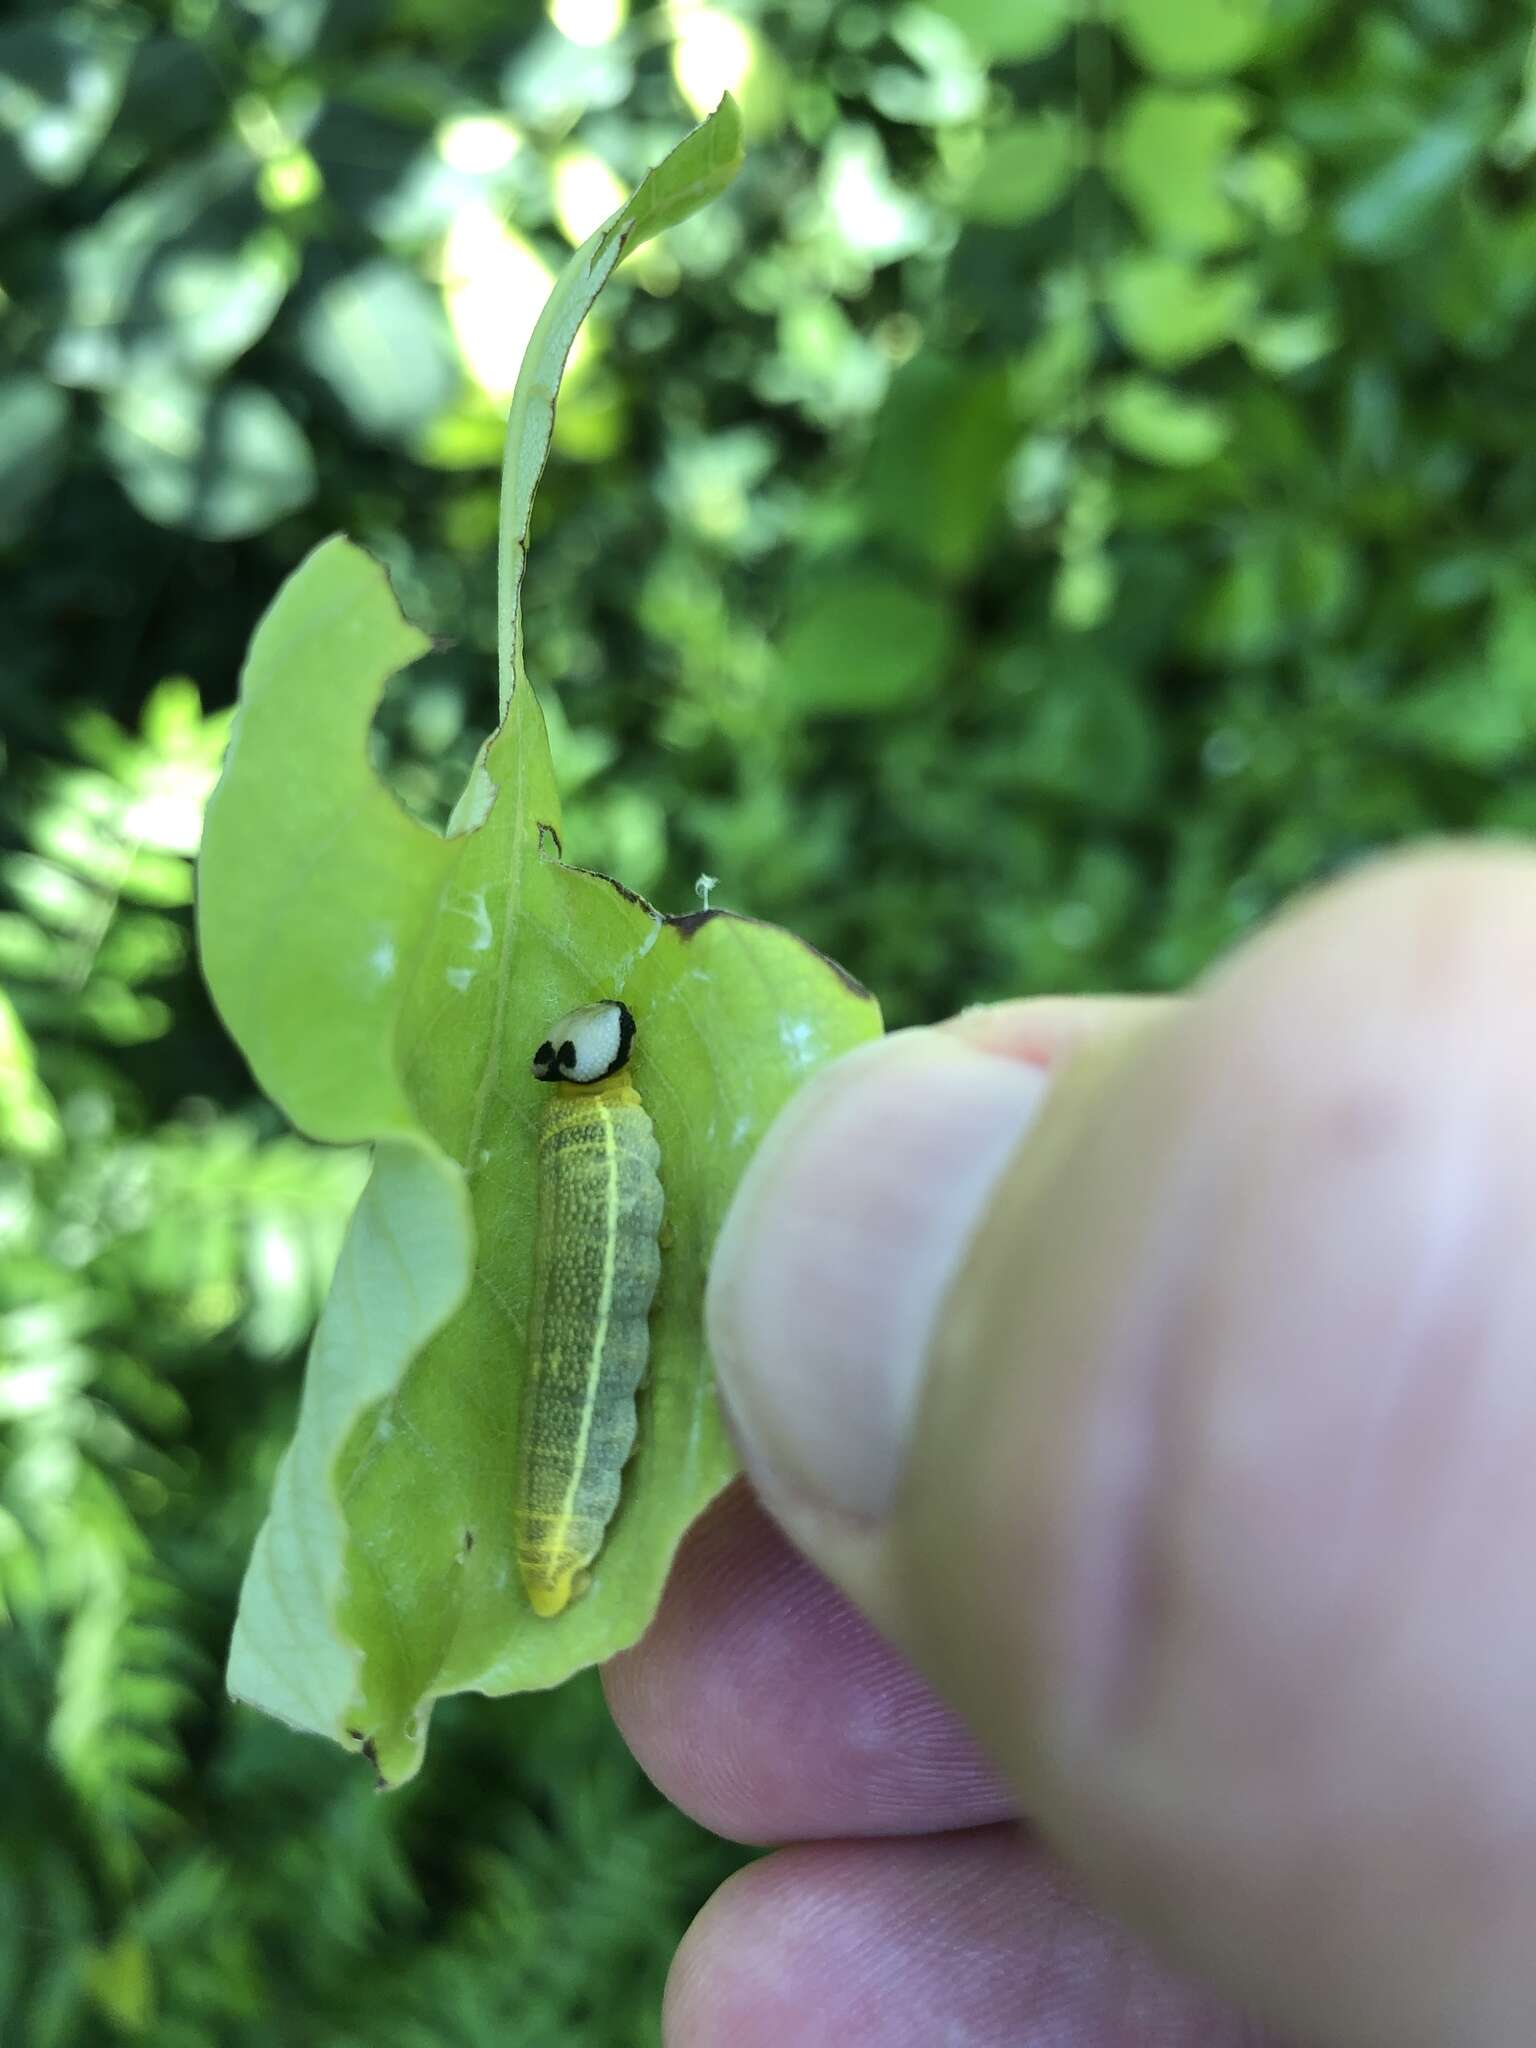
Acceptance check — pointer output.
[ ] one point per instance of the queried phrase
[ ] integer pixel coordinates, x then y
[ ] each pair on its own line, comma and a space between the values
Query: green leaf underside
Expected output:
389, 984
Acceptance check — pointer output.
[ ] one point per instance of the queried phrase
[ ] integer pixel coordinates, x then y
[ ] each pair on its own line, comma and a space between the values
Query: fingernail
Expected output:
838, 1250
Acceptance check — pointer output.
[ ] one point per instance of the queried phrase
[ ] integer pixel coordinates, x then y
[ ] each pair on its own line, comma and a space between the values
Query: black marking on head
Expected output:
626, 1036
469, 1539
578, 1041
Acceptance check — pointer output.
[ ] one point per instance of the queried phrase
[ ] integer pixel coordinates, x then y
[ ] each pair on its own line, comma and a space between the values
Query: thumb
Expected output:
1177, 1417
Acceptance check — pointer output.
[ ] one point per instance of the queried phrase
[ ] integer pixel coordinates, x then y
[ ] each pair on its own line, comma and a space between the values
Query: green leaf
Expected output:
1160, 425
121, 1981
1288, 585
1193, 38
1517, 140
867, 641
1008, 32
378, 337
34, 445
1391, 212
1024, 171
389, 984
1169, 313
61, 83
697, 171
177, 279
1481, 713
1169, 158
29, 1117
945, 85
934, 477
1080, 728
219, 464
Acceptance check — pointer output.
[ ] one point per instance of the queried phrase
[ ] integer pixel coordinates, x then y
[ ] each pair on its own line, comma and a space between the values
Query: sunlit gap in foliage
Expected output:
586, 191
478, 144
494, 288
588, 23
713, 53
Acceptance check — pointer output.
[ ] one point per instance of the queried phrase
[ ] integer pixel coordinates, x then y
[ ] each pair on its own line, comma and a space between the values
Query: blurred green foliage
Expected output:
1075, 489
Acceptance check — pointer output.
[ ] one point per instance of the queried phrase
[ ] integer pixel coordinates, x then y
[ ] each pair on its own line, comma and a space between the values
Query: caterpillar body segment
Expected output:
597, 1262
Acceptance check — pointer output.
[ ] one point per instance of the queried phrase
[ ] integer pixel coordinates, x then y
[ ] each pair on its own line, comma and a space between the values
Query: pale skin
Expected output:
1128, 1627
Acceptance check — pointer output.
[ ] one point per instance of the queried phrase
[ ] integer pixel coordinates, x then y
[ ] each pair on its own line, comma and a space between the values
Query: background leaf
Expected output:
1006, 33
933, 480
1197, 38
175, 281
61, 84
1171, 313
218, 464
1150, 420
378, 338
1025, 169
863, 641
1392, 210
1171, 150
34, 441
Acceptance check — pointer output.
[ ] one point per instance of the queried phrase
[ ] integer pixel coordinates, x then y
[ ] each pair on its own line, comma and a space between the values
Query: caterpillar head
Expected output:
586, 1045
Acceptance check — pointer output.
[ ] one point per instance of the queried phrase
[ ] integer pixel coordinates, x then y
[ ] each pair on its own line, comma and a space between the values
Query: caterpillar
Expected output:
597, 1261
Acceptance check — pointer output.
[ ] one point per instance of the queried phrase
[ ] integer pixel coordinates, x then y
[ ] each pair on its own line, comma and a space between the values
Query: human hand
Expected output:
1187, 1447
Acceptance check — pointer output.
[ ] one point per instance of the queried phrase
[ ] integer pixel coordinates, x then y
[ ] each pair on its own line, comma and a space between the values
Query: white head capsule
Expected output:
587, 1044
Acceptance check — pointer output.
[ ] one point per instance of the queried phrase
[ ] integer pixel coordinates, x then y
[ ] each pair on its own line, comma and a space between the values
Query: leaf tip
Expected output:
728, 117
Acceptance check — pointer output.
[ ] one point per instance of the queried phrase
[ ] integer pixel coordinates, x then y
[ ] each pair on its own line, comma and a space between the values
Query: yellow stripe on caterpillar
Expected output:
596, 1266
